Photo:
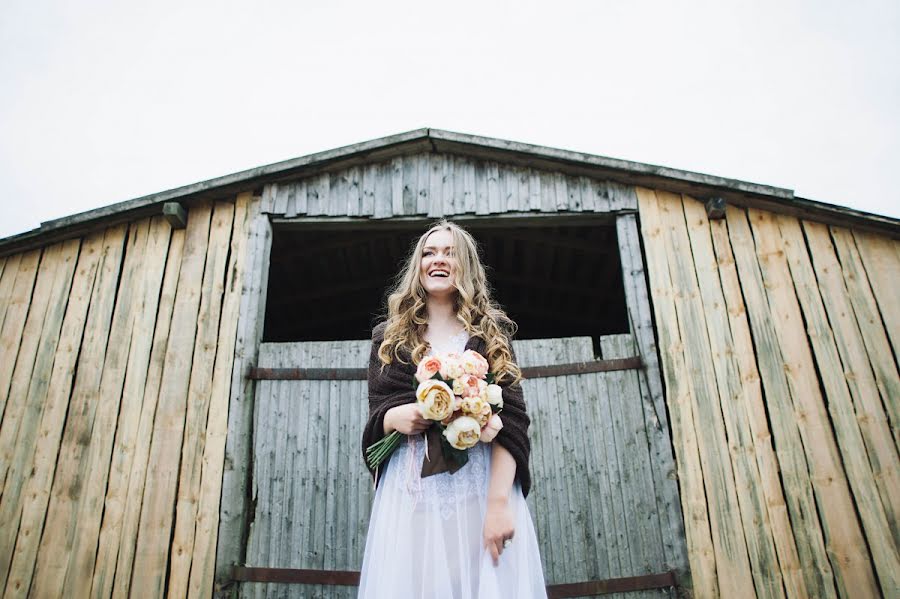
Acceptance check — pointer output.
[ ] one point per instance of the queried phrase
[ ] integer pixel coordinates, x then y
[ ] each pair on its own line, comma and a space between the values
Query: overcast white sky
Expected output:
107, 101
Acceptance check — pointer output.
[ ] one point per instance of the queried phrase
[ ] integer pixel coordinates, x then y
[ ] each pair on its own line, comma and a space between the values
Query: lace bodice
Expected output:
446, 491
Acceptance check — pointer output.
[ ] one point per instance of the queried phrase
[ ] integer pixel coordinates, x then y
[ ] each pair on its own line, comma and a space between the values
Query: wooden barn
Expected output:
711, 369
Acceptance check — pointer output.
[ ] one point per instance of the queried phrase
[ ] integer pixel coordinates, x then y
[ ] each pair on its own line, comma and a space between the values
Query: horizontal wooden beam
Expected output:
355, 374
554, 591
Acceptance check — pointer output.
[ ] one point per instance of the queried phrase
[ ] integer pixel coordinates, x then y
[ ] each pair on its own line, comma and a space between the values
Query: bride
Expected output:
438, 530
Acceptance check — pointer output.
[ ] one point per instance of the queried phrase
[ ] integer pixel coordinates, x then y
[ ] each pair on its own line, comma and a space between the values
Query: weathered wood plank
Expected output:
493, 188
870, 325
534, 190
233, 513
750, 396
482, 202
136, 372
7, 281
199, 395
14, 322
749, 489
732, 561
354, 187
470, 193
71, 474
26, 512
792, 460
697, 529
882, 263
852, 566
409, 185
655, 420
207, 522
448, 207
423, 186
876, 526
28, 390
157, 514
850, 344
87, 519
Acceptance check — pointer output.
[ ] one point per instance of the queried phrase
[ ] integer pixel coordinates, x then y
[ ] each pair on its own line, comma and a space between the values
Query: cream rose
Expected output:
491, 429
451, 366
428, 367
458, 387
463, 433
474, 363
495, 395
476, 408
435, 399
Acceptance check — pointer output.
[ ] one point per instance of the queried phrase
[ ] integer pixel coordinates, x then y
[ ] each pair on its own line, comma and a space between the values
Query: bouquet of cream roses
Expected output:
458, 393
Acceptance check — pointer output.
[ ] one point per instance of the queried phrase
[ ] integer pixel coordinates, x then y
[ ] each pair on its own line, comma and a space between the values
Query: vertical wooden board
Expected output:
196, 408
204, 549
234, 508
849, 559
18, 434
870, 325
39, 310
573, 187
22, 512
423, 184
69, 466
852, 565
448, 208
495, 204
751, 397
395, 171
283, 192
383, 191
410, 184
853, 455
298, 191
14, 323
882, 263
646, 543
8, 281
435, 188
561, 191
850, 344
602, 193
750, 498
321, 184
147, 301
354, 187
482, 204
370, 176
792, 461
534, 189
510, 187
87, 518
622, 197
548, 192
656, 422
588, 200
470, 193
693, 498
155, 526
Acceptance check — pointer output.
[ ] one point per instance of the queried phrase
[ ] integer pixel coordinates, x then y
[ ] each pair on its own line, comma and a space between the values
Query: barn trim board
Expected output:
766, 409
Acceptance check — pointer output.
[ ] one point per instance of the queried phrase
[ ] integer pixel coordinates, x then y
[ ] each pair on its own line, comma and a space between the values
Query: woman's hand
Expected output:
499, 525
406, 419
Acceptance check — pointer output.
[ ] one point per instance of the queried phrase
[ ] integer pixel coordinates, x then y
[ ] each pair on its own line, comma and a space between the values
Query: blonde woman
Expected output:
438, 530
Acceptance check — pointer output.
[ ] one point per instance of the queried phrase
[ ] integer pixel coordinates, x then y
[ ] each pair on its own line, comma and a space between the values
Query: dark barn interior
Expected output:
554, 281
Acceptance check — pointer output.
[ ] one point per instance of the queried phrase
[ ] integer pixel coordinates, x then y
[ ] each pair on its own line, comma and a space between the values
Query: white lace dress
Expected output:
425, 534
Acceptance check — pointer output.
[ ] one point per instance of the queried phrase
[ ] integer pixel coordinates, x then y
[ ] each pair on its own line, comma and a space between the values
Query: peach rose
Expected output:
474, 363
451, 366
472, 386
490, 431
428, 367
477, 408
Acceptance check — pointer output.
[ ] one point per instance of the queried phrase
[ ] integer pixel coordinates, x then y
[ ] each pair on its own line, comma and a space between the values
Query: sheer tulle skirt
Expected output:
425, 535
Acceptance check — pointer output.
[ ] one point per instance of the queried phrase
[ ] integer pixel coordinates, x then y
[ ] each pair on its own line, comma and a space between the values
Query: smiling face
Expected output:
437, 270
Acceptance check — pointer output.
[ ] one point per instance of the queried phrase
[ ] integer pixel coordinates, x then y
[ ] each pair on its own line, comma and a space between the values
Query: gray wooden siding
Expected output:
594, 500
438, 185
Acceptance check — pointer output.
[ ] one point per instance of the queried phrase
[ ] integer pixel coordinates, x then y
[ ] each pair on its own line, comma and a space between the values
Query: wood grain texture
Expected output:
792, 459
850, 560
751, 399
700, 549
156, 517
16, 311
136, 375
25, 513
72, 477
882, 262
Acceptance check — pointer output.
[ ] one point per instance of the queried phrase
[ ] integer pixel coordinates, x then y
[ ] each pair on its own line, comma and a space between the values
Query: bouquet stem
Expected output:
378, 452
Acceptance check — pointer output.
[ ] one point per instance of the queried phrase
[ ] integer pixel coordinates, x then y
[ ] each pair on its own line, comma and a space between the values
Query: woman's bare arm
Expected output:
499, 524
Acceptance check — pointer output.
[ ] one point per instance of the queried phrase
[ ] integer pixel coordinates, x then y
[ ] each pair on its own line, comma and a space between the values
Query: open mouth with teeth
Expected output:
443, 274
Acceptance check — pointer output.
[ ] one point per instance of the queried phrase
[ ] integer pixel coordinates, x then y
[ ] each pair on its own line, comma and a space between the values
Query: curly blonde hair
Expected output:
407, 317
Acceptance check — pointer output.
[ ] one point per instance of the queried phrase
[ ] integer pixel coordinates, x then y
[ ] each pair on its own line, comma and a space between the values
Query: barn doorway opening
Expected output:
562, 278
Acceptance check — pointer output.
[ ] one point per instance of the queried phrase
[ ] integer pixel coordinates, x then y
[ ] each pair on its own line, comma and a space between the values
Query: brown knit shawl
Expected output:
394, 387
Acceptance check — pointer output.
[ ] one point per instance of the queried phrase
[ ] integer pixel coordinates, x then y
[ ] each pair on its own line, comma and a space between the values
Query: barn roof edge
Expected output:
438, 140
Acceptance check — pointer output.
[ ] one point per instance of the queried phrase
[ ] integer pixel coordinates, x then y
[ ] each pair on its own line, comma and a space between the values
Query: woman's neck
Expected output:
441, 312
